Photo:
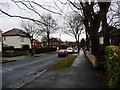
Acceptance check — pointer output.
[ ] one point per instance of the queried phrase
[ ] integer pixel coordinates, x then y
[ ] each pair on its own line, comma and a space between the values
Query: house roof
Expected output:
15, 32
35, 40
55, 40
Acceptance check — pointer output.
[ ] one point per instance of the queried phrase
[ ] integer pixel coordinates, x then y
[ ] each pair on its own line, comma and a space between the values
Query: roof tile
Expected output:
14, 32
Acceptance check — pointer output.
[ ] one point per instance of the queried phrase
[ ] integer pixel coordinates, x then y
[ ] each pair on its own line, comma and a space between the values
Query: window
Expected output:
22, 39
4, 38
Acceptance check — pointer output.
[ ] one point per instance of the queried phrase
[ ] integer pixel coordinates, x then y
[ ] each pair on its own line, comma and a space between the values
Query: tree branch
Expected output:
17, 16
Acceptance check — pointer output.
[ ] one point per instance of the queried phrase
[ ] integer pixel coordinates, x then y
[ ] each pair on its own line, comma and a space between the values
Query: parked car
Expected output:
70, 50
62, 52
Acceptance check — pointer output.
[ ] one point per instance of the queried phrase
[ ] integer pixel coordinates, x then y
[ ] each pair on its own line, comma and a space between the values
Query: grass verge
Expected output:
66, 62
75, 53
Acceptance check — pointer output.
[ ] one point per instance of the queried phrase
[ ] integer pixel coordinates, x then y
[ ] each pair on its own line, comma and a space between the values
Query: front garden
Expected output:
11, 52
107, 67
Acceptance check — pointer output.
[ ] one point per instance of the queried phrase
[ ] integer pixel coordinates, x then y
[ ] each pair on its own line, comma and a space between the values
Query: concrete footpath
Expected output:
81, 74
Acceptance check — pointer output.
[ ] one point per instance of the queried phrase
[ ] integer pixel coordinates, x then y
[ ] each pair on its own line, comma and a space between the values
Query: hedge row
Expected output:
44, 49
15, 52
24, 47
112, 65
10, 52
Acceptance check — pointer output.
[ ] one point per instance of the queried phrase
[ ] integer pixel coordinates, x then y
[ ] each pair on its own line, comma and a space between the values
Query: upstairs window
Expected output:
22, 39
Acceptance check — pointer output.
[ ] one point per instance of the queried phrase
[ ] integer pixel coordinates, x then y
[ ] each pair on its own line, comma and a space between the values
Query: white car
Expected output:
70, 50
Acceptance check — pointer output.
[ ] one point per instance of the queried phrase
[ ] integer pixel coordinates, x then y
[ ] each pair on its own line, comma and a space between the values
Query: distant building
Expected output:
55, 42
114, 36
36, 43
16, 37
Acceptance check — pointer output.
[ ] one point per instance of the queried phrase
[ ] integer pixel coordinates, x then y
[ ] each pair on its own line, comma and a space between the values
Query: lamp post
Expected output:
0, 41
1, 57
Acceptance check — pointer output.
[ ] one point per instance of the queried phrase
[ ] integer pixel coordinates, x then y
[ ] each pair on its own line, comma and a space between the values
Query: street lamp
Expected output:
1, 57
0, 41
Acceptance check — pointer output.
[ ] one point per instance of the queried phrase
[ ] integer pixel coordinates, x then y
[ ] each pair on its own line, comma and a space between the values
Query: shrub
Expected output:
25, 47
15, 52
8, 48
44, 49
112, 65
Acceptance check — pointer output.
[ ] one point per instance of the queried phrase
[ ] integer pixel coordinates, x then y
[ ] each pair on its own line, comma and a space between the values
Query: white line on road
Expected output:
30, 73
7, 69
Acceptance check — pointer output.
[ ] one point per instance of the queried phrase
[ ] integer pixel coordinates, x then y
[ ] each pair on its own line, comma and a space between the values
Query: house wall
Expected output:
16, 41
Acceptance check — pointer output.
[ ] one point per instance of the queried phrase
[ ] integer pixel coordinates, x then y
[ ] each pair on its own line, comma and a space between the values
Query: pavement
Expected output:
81, 74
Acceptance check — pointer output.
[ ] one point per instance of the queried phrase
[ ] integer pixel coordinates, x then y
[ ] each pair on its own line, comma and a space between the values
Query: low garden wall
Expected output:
91, 58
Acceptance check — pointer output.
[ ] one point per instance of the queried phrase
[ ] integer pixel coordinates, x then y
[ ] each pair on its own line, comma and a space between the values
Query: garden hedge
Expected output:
44, 50
112, 65
10, 52
14, 52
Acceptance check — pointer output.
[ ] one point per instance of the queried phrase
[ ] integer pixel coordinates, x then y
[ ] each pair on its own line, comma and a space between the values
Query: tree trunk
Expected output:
78, 46
48, 39
92, 26
104, 10
92, 21
32, 48
87, 34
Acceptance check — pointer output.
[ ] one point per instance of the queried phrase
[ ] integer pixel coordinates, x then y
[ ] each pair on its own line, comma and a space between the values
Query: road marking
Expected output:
7, 69
10, 69
30, 73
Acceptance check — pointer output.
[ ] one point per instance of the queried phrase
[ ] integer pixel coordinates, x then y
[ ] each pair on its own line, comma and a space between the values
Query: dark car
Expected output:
62, 52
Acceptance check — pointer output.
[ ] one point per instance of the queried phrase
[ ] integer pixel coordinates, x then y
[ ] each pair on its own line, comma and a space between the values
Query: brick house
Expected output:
36, 43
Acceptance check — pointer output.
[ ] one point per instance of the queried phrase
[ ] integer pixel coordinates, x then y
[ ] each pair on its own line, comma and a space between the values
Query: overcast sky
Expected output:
7, 23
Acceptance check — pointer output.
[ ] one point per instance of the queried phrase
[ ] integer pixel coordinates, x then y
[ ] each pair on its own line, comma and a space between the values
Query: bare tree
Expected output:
44, 40
76, 28
49, 27
33, 31
31, 7
113, 16
94, 13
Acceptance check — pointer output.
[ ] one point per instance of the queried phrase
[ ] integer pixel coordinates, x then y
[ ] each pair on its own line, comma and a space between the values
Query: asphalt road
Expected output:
14, 73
